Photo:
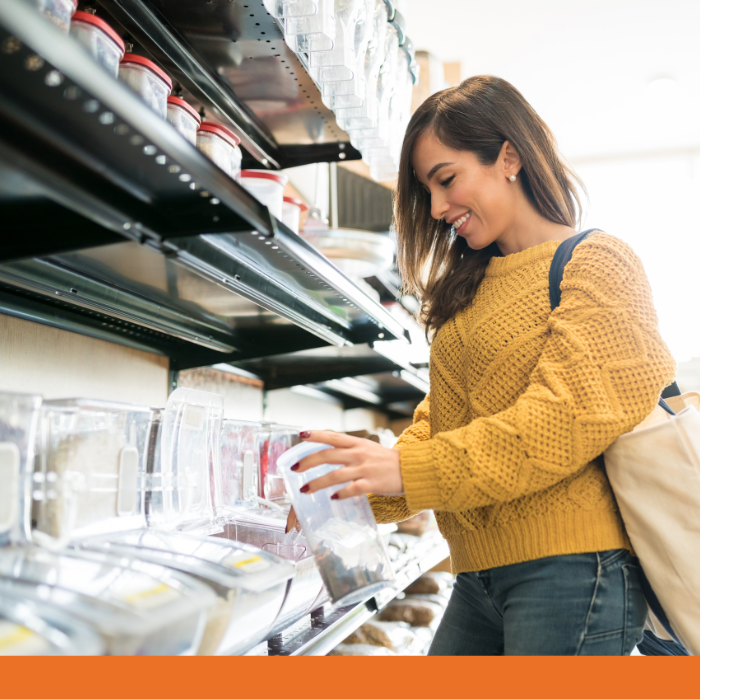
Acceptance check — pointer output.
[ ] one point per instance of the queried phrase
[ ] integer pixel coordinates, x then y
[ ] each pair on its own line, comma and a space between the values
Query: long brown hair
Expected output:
479, 115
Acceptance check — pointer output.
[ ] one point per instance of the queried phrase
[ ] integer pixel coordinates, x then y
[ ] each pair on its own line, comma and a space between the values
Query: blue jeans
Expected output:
569, 605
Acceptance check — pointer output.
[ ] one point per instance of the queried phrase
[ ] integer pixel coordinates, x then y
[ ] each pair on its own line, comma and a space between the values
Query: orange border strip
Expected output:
580, 678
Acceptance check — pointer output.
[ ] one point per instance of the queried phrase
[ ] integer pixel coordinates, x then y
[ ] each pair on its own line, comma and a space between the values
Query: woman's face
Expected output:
478, 200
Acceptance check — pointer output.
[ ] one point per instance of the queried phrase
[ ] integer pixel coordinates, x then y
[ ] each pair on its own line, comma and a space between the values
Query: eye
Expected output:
447, 181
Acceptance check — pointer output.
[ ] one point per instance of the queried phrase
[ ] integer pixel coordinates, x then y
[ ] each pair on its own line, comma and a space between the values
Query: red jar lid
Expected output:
291, 200
222, 131
101, 24
265, 175
174, 100
143, 61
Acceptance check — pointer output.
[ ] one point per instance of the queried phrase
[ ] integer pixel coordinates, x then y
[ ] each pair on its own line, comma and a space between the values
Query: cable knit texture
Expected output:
522, 402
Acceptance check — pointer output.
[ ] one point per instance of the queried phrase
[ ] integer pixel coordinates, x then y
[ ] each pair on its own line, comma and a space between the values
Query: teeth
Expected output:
460, 222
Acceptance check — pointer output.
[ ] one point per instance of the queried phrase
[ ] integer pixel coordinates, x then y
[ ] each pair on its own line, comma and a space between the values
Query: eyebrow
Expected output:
436, 168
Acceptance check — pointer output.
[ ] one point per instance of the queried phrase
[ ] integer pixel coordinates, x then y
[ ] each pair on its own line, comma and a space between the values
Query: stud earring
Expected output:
512, 178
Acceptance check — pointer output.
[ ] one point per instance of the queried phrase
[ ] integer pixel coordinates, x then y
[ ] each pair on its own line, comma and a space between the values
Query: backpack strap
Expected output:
563, 254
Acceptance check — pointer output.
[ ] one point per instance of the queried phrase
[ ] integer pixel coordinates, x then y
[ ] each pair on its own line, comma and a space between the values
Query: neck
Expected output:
530, 229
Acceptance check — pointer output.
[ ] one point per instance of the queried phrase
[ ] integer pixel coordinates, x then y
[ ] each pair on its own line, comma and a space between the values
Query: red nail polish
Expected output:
305, 434
335, 497
305, 488
294, 467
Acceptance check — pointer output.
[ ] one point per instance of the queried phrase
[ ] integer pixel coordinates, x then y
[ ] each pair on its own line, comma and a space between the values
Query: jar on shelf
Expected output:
148, 80
183, 118
58, 12
220, 144
267, 187
99, 39
291, 211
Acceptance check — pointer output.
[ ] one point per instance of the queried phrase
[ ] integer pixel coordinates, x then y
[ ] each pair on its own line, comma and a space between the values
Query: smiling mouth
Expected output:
460, 223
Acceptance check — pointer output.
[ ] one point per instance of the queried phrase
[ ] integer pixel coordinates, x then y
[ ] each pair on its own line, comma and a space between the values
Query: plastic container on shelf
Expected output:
91, 472
183, 490
30, 627
291, 211
249, 583
58, 12
241, 443
342, 534
99, 39
309, 25
267, 187
183, 118
220, 144
279, 439
151, 83
19, 424
139, 608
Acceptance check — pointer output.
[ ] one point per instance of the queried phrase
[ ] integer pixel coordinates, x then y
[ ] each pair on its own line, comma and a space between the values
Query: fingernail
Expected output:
295, 467
305, 434
305, 488
335, 497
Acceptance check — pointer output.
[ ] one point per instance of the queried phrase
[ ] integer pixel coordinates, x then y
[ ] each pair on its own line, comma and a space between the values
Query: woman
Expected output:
522, 401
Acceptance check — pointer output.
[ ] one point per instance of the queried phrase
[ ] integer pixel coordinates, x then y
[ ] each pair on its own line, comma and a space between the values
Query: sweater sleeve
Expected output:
393, 509
600, 373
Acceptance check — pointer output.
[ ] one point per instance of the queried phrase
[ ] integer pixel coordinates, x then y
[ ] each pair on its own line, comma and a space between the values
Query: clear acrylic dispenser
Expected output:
342, 534
19, 423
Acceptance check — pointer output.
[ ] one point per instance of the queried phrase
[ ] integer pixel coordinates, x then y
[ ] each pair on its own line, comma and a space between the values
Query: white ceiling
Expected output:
584, 65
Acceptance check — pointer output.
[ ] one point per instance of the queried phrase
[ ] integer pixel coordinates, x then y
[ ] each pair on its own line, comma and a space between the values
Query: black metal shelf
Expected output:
119, 228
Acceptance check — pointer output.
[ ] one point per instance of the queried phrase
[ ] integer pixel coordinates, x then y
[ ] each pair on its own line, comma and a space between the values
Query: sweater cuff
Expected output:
419, 474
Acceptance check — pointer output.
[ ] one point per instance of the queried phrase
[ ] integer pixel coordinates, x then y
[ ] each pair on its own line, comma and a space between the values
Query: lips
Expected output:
461, 221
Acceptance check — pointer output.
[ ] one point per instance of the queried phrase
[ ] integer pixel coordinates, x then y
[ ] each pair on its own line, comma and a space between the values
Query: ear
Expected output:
509, 160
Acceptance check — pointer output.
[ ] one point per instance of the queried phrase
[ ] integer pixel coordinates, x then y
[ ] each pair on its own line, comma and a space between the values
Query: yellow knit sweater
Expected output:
522, 401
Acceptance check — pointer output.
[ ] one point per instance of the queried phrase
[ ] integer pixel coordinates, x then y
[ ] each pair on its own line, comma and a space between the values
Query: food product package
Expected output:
99, 40
419, 613
138, 608
360, 650
342, 534
19, 424
396, 636
31, 627
418, 525
149, 81
432, 582
250, 584
91, 472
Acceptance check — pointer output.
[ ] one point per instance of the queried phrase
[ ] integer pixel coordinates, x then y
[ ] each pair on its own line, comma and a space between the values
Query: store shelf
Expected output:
317, 634
201, 272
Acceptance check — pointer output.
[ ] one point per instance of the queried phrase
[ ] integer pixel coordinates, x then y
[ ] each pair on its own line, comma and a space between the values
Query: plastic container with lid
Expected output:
19, 424
221, 145
58, 12
32, 627
183, 490
241, 443
183, 117
250, 584
342, 534
138, 607
267, 187
148, 80
279, 439
91, 473
99, 39
291, 211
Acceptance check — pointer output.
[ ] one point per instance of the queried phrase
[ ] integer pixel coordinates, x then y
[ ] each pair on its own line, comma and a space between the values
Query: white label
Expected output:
10, 466
249, 476
194, 417
127, 490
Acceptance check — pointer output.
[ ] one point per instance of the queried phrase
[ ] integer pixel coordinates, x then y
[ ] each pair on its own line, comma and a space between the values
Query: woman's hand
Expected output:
370, 467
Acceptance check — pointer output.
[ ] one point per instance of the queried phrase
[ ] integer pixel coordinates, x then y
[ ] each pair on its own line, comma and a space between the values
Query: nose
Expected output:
438, 206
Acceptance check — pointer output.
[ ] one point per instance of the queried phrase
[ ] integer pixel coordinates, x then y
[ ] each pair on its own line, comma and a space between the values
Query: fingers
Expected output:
329, 437
345, 457
356, 488
291, 520
338, 476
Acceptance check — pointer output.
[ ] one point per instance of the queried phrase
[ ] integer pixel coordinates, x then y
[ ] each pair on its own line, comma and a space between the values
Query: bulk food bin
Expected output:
249, 583
90, 475
267, 187
183, 489
58, 12
221, 145
343, 536
99, 39
183, 118
137, 607
291, 211
19, 424
149, 81
31, 627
